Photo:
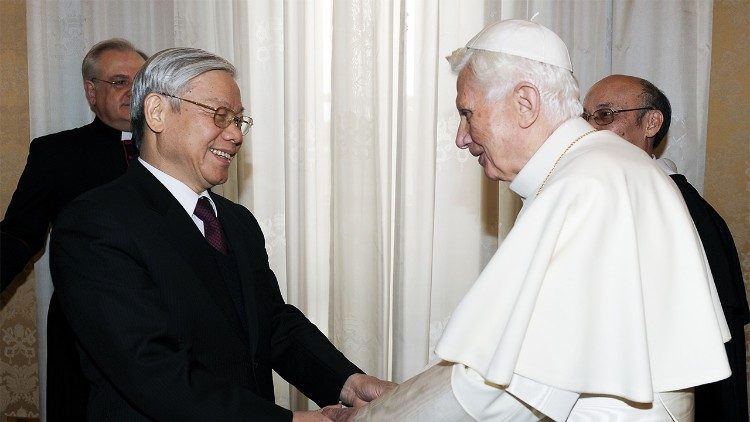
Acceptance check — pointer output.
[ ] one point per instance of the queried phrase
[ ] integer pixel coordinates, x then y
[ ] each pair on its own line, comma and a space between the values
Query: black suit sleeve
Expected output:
130, 332
29, 214
304, 356
299, 351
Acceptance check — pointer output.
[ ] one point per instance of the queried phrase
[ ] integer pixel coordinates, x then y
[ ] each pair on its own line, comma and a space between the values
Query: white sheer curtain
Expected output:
375, 223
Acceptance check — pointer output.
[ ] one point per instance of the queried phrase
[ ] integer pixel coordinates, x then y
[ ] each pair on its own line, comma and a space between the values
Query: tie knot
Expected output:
204, 210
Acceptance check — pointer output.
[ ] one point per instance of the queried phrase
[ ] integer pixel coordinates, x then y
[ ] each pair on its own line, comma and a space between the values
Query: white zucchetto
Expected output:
524, 39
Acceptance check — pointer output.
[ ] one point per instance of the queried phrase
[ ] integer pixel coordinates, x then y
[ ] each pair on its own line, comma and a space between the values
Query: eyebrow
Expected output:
461, 104
224, 104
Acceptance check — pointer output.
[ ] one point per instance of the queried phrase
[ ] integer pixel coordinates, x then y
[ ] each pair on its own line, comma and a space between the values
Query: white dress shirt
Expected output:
184, 195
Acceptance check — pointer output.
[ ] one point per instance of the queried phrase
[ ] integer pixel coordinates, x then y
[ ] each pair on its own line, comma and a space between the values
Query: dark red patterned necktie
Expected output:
211, 225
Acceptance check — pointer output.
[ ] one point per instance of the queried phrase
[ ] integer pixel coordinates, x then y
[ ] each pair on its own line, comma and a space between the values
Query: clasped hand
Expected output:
358, 390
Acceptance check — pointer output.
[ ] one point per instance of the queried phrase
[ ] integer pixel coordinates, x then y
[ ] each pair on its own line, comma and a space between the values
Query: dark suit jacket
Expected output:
725, 400
60, 167
161, 335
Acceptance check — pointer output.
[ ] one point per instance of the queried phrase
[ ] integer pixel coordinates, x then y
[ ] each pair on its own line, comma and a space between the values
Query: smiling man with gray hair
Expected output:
167, 285
582, 313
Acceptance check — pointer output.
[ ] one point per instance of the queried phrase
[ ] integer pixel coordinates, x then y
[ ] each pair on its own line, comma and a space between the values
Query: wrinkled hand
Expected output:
310, 416
360, 389
340, 414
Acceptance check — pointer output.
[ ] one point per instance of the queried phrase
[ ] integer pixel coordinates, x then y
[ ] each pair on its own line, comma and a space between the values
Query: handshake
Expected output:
358, 390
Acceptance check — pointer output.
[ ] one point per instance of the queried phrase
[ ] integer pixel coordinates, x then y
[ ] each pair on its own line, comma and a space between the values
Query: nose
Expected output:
233, 134
463, 137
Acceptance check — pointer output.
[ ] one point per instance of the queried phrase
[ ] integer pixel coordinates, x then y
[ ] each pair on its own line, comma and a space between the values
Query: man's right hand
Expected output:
360, 389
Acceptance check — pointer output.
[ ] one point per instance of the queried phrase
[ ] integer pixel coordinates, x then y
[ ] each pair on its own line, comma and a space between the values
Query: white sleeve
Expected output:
426, 397
523, 400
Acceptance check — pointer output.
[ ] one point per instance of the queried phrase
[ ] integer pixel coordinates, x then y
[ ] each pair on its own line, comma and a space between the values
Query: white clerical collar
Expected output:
184, 195
531, 176
666, 165
126, 136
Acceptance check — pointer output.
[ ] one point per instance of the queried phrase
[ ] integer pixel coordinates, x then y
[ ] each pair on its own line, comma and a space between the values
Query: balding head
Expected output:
644, 127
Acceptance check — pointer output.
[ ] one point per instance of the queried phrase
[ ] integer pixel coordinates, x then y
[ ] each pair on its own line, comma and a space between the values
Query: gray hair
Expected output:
498, 73
89, 66
170, 71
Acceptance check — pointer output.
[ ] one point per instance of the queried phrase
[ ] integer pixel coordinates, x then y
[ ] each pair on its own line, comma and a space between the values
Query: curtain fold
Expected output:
375, 223
360, 184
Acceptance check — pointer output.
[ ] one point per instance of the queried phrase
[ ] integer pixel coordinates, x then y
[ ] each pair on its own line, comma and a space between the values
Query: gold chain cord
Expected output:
560, 158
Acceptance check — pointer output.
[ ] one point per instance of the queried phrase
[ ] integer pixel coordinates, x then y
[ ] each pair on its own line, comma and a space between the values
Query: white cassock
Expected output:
599, 303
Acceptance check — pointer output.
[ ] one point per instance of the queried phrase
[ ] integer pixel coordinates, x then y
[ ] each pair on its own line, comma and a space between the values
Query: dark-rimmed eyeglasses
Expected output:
223, 116
605, 116
117, 84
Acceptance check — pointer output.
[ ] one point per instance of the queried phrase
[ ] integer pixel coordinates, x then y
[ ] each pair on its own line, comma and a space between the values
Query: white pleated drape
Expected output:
375, 223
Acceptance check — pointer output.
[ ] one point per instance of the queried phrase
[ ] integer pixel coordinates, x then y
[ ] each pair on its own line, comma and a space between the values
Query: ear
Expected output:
90, 90
155, 111
654, 120
527, 103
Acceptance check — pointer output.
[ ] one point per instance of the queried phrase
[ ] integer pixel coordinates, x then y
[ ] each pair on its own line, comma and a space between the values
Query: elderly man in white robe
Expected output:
582, 313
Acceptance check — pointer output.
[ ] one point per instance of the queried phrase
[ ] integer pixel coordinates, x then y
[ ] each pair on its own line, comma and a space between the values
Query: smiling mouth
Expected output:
219, 153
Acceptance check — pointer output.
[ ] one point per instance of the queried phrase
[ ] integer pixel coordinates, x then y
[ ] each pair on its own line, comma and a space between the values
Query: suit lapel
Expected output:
180, 231
232, 223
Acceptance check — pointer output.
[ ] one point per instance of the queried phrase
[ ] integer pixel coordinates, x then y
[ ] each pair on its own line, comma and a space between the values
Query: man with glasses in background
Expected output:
167, 285
61, 166
638, 111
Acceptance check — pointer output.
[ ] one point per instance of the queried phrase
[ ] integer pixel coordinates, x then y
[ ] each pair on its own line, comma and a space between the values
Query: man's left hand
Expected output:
339, 414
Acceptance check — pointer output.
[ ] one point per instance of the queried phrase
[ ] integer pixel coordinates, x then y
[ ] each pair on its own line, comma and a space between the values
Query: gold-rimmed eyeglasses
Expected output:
117, 84
605, 116
223, 116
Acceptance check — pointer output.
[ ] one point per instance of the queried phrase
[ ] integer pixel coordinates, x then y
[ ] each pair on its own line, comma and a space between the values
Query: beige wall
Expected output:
14, 101
727, 182
19, 385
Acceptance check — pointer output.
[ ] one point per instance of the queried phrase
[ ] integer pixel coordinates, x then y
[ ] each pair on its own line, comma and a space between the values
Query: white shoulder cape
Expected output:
602, 285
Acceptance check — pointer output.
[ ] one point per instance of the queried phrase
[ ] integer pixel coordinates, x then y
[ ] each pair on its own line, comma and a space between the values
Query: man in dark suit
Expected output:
167, 285
639, 112
63, 165
60, 167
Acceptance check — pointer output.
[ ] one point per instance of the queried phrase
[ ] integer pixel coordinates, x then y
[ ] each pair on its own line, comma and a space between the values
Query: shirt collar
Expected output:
184, 195
532, 174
